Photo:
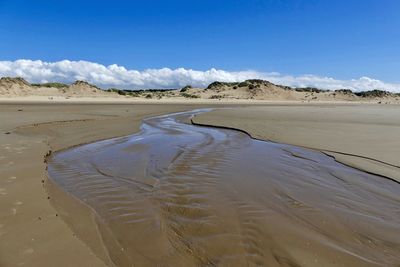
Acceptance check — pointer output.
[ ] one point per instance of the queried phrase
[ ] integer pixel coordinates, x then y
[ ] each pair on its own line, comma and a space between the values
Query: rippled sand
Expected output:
183, 195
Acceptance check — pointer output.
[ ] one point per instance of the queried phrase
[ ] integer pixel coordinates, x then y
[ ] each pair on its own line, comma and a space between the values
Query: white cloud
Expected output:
118, 76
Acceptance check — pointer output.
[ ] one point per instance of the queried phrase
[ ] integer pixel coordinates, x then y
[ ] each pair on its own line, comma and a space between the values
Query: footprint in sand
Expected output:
3, 191
27, 251
11, 179
14, 211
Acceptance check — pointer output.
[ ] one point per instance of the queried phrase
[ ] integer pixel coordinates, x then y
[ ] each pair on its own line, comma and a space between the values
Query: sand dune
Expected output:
264, 90
249, 91
18, 87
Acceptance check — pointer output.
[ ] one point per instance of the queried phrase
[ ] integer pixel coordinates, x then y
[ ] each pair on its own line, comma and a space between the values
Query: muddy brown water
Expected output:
177, 194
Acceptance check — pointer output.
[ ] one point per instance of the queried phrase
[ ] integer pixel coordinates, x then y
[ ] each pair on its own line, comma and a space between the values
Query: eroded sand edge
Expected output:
361, 136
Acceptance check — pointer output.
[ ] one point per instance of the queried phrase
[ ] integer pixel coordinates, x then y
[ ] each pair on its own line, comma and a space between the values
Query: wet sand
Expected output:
36, 231
183, 195
362, 136
32, 232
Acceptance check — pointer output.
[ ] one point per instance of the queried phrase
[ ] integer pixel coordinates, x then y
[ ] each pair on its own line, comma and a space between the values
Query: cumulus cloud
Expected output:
37, 71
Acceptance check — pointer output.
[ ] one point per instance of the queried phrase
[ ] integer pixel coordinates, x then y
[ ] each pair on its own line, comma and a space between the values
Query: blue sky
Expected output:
340, 39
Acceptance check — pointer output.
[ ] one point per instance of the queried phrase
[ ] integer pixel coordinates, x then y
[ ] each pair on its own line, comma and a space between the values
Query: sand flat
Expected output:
177, 194
31, 229
362, 136
36, 231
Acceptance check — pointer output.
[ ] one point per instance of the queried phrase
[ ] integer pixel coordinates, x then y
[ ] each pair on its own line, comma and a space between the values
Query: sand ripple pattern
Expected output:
182, 195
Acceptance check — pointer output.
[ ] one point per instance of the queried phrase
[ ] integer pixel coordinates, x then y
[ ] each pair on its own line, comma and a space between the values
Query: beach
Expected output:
38, 225
32, 233
200, 133
362, 136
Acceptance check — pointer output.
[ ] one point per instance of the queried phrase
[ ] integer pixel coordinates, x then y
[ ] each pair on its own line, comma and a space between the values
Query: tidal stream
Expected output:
177, 194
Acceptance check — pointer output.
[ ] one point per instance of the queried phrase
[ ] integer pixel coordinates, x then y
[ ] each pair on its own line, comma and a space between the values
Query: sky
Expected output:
153, 43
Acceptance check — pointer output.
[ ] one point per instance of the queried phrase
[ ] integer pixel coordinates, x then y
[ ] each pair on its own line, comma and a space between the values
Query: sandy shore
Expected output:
31, 230
170, 100
182, 195
362, 136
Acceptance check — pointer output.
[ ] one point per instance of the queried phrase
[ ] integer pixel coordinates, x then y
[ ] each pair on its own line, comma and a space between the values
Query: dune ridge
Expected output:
249, 90
17, 87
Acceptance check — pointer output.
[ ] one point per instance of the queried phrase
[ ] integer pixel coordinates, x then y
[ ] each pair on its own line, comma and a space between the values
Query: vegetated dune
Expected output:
18, 87
247, 90
79, 88
14, 86
265, 90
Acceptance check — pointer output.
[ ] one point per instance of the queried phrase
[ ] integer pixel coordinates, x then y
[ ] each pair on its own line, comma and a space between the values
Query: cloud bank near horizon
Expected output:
37, 71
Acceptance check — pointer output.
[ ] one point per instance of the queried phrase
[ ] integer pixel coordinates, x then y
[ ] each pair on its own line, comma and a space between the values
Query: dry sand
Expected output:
362, 136
31, 231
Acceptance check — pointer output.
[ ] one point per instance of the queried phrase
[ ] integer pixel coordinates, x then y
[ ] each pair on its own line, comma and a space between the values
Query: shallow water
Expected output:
182, 195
